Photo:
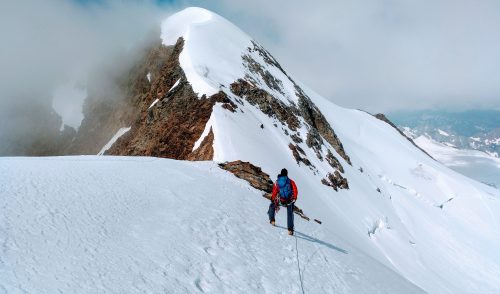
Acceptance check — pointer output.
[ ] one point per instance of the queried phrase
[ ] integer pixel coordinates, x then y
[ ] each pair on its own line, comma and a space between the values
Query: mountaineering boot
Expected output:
290, 232
273, 223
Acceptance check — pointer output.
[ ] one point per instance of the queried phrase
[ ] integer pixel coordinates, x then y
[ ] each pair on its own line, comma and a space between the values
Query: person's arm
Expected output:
295, 191
276, 189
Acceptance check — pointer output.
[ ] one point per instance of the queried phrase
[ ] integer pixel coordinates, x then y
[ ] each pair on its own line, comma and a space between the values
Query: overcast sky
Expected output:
381, 55
376, 55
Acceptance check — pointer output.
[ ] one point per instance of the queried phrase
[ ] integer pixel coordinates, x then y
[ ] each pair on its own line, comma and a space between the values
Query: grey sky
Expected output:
382, 55
377, 55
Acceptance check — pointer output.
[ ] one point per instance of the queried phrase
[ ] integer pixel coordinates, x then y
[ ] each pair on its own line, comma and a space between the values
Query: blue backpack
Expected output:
285, 188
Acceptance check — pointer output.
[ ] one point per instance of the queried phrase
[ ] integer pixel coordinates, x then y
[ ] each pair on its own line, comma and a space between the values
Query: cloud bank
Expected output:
45, 44
382, 55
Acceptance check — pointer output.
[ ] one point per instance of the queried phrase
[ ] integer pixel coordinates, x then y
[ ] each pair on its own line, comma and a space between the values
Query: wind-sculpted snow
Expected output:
442, 245
133, 225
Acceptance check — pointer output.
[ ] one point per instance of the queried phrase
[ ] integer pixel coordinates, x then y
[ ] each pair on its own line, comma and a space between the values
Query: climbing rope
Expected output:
298, 263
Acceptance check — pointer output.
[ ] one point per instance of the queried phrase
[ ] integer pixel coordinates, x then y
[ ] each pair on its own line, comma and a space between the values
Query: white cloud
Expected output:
377, 55
382, 55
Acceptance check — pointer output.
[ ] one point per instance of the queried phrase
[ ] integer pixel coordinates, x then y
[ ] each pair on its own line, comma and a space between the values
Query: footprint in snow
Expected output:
209, 250
288, 260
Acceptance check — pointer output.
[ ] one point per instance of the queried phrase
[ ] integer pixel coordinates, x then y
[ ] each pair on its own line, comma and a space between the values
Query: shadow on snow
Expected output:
314, 240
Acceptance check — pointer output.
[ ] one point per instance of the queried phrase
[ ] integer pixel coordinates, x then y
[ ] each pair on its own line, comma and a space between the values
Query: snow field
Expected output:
127, 225
411, 226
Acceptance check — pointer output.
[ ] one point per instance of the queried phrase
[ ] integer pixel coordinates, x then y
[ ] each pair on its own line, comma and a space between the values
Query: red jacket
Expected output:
276, 190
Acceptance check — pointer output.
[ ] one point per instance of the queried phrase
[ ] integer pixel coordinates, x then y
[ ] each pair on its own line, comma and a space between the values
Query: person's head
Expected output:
284, 173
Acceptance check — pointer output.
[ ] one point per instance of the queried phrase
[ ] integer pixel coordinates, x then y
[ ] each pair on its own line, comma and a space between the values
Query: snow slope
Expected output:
94, 224
411, 225
406, 218
472, 163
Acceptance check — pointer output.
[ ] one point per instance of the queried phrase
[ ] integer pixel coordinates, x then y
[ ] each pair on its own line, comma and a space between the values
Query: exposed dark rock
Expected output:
306, 108
296, 150
296, 138
255, 67
300, 149
266, 103
313, 116
315, 142
268, 58
230, 105
169, 129
333, 161
250, 173
335, 181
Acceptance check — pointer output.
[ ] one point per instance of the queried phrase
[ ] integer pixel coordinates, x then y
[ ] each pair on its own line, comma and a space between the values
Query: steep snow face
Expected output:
213, 51
436, 227
94, 224
443, 226
212, 48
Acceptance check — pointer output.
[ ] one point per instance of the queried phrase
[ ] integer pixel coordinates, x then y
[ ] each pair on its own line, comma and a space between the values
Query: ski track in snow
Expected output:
130, 225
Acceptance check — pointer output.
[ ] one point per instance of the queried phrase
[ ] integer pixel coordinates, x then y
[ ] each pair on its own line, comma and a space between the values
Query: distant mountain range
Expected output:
474, 129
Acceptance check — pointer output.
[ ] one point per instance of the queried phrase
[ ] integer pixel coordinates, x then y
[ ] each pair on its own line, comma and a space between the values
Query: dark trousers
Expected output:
289, 214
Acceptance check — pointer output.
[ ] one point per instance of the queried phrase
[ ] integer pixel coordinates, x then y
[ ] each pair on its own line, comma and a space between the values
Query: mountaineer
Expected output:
284, 194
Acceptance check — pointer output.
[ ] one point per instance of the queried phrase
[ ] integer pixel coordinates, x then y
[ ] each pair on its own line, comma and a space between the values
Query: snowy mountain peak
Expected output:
212, 48
207, 91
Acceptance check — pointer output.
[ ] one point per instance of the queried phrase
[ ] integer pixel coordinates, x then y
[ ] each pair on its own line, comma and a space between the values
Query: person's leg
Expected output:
271, 211
289, 212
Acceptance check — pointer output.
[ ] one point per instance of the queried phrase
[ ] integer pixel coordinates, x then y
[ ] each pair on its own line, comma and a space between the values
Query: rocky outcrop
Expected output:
268, 104
299, 154
313, 116
334, 162
170, 127
250, 173
165, 121
291, 114
336, 181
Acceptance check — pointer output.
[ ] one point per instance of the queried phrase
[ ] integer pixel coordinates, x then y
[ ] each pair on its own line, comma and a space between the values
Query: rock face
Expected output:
165, 115
336, 181
291, 114
250, 173
299, 154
